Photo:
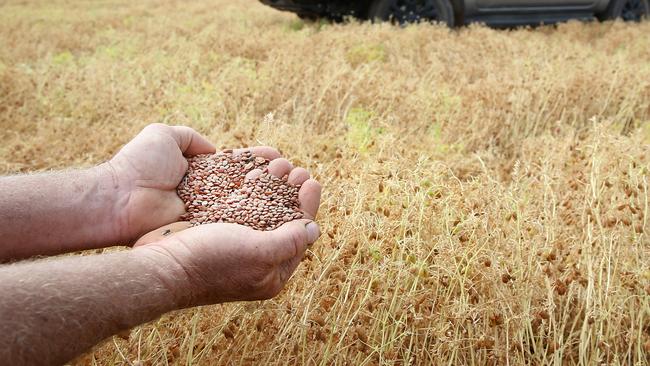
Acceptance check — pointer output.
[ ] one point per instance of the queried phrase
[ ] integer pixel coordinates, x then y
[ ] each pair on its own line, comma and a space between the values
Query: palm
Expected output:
241, 263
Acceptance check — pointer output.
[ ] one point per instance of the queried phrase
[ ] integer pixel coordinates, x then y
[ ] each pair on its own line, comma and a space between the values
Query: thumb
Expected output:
291, 239
191, 142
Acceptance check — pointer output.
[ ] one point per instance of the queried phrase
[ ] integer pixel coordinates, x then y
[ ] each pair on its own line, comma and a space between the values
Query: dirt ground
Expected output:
485, 192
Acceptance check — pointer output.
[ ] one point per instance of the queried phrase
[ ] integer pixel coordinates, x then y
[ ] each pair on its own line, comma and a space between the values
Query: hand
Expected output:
228, 262
147, 171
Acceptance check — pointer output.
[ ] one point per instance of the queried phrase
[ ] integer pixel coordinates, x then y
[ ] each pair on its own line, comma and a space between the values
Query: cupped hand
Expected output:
147, 171
229, 262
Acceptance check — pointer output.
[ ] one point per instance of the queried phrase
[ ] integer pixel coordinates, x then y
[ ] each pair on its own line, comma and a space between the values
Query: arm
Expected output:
57, 212
52, 310
111, 204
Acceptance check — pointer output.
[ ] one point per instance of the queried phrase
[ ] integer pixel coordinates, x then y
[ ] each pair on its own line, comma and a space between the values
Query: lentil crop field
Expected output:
485, 192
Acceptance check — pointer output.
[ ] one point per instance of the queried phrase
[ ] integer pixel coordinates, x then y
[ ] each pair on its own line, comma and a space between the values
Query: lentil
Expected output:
215, 190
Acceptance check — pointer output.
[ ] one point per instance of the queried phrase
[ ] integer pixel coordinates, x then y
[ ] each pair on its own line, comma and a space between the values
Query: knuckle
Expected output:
156, 126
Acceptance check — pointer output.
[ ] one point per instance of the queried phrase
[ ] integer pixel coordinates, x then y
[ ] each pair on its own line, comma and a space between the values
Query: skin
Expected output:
51, 310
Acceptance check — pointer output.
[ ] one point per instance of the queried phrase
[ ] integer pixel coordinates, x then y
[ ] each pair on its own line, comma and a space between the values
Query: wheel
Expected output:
413, 11
628, 10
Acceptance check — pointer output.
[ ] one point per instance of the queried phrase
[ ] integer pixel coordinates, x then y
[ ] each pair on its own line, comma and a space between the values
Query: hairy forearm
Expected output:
52, 310
51, 213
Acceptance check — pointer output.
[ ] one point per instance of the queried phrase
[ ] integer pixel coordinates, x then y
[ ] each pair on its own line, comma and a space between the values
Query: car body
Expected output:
313, 9
496, 13
514, 13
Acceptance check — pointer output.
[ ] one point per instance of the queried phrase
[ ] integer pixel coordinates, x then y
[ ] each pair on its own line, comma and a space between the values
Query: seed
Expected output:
361, 334
318, 320
487, 263
262, 203
485, 343
560, 287
543, 314
496, 320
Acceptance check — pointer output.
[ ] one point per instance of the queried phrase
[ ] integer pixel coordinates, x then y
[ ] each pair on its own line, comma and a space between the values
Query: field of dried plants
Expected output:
485, 192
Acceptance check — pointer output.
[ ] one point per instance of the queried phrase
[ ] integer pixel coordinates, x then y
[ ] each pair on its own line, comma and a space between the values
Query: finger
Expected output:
162, 233
263, 151
309, 197
291, 239
191, 142
253, 174
280, 167
298, 176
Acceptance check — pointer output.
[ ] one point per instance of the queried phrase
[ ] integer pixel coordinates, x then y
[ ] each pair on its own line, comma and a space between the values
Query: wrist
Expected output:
116, 192
169, 274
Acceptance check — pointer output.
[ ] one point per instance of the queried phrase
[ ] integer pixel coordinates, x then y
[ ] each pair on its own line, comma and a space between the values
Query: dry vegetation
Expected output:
486, 192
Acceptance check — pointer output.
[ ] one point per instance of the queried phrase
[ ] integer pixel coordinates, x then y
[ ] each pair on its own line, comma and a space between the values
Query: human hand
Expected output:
147, 171
228, 262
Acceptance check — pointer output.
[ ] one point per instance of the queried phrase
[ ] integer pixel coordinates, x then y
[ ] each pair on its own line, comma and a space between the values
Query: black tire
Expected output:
628, 10
412, 11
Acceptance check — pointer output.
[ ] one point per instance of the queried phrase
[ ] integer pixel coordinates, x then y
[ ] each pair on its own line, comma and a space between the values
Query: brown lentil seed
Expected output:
215, 190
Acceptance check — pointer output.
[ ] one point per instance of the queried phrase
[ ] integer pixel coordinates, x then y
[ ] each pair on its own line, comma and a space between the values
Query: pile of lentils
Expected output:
215, 190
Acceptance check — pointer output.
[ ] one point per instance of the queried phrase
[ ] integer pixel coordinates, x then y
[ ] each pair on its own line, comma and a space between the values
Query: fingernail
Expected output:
253, 174
313, 232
